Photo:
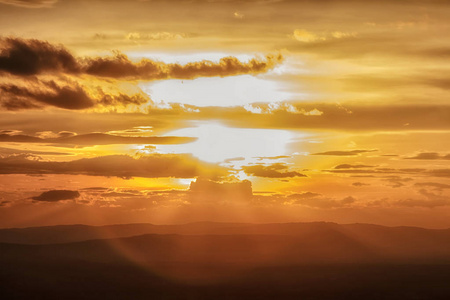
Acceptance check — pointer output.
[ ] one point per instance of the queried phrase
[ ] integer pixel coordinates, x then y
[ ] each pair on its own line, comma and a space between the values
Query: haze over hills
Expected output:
225, 261
295, 242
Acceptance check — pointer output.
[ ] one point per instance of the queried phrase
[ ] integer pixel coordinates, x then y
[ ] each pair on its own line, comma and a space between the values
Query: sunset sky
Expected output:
223, 110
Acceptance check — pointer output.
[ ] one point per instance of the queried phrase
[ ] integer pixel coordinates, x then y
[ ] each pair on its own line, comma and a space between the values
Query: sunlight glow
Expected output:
217, 142
222, 92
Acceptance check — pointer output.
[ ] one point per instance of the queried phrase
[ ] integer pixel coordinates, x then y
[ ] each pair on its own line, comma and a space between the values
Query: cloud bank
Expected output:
57, 195
124, 166
92, 139
23, 57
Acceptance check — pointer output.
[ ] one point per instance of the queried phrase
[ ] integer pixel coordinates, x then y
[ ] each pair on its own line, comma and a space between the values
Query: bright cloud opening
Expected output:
222, 92
217, 142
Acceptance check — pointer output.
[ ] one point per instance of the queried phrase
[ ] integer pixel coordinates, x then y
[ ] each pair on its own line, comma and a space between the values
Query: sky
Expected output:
256, 111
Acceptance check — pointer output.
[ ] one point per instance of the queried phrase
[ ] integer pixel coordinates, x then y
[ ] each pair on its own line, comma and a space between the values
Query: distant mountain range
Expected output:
285, 243
225, 261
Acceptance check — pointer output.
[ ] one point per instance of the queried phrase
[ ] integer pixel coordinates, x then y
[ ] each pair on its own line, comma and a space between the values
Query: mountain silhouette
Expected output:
225, 261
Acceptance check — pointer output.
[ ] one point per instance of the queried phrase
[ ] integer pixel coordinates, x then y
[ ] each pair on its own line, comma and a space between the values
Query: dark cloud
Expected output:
152, 166
278, 170
30, 3
91, 139
430, 156
32, 57
344, 153
16, 97
57, 195
66, 94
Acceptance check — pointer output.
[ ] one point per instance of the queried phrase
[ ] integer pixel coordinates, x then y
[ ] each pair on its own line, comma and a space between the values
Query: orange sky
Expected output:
249, 111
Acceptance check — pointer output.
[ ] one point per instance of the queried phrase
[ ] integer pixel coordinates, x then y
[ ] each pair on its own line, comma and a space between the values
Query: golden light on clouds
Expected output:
311, 110
224, 149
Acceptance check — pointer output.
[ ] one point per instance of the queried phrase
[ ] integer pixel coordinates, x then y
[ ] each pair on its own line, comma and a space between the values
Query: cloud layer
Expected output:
95, 139
33, 57
124, 166
57, 195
